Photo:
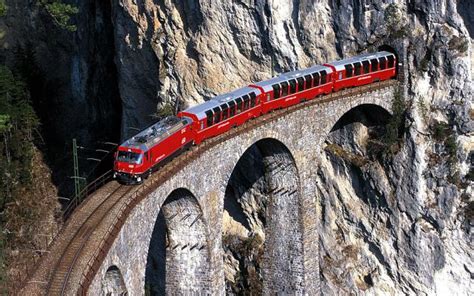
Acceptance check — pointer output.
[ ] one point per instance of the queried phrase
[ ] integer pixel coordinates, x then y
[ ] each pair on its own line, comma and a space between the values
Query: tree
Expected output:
17, 121
3, 8
61, 13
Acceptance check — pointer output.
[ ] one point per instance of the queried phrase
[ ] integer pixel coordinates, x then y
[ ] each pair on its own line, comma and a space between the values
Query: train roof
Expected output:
339, 65
200, 110
267, 84
153, 134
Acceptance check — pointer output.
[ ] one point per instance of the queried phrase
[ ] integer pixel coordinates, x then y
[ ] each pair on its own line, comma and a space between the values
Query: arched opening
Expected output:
367, 114
356, 202
113, 283
262, 238
359, 134
178, 256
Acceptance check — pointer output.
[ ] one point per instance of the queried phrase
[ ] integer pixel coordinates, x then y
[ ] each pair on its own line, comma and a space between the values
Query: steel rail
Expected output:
66, 258
159, 177
181, 161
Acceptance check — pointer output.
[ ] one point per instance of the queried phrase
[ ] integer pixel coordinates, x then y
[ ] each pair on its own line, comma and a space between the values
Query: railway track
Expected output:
90, 215
62, 270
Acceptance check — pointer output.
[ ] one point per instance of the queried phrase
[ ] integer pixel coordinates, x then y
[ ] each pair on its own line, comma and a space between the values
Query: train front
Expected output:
128, 165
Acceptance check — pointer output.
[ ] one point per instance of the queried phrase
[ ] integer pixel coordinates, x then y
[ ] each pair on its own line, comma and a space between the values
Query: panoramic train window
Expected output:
217, 114
292, 86
300, 83
383, 63
365, 65
276, 91
253, 99
316, 79
231, 108
375, 65
246, 102
209, 118
284, 89
348, 70
323, 77
309, 82
239, 108
390, 61
357, 68
225, 111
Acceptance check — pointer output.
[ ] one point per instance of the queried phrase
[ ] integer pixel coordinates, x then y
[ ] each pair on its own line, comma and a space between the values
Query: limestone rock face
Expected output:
73, 74
391, 226
400, 224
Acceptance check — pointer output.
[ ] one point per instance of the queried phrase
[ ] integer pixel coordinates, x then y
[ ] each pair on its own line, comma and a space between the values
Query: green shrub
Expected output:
423, 109
166, 110
423, 65
440, 131
352, 158
61, 13
395, 126
451, 148
3, 8
460, 44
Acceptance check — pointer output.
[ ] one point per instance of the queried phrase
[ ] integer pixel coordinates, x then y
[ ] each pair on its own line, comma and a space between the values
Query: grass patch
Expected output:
443, 133
459, 44
338, 151
423, 109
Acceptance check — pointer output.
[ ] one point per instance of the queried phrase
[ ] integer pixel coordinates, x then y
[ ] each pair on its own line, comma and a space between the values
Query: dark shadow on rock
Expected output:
155, 273
367, 114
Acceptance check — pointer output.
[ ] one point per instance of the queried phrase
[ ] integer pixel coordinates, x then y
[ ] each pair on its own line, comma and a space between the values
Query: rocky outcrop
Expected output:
401, 228
398, 224
72, 75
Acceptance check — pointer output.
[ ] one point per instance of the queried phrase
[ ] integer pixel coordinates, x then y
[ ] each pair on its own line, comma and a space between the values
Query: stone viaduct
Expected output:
170, 239
174, 236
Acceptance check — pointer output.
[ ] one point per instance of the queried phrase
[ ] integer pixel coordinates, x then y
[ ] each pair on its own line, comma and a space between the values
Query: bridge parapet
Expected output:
122, 237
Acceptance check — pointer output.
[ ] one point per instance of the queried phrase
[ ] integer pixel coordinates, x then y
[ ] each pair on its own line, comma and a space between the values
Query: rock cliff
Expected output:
401, 223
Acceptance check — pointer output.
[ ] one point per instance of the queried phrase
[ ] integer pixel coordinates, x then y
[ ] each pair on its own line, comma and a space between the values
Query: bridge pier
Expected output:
291, 249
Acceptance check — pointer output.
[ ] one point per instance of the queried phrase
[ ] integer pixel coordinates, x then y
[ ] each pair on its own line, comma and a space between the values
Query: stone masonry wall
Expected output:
302, 132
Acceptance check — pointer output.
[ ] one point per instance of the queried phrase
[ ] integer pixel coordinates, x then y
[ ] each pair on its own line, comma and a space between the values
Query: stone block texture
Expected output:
259, 187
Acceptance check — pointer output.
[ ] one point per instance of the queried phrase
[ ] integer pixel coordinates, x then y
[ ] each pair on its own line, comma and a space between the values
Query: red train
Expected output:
137, 157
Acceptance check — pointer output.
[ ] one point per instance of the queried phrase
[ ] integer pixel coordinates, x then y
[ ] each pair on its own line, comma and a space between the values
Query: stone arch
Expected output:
262, 234
178, 256
352, 189
367, 114
113, 283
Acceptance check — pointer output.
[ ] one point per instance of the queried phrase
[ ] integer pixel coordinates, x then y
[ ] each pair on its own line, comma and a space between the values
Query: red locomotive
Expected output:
137, 157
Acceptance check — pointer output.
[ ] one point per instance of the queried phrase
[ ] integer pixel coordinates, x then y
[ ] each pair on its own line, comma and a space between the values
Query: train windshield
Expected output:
130, 157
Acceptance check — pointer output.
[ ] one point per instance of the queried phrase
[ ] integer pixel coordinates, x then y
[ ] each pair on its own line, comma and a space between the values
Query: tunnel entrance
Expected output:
178, 256
262, 238
386, 47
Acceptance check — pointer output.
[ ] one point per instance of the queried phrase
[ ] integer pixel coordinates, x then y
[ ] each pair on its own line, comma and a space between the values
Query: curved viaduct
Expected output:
169, 231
